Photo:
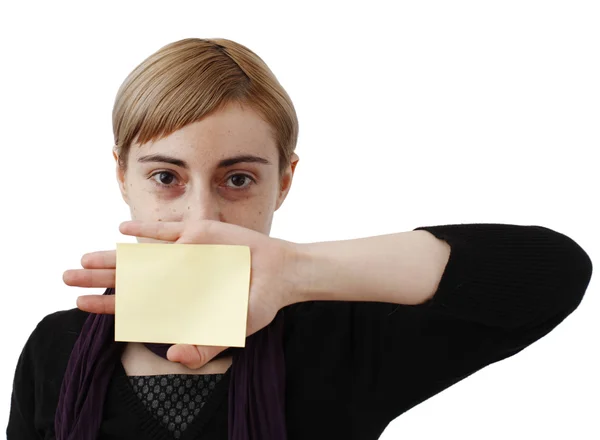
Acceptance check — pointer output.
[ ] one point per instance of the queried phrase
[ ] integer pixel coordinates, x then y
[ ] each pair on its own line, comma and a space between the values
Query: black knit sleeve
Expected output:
503, 288
510, 276
21, 423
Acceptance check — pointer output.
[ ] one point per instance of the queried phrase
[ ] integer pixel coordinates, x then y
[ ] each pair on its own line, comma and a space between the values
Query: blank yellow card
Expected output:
182, 293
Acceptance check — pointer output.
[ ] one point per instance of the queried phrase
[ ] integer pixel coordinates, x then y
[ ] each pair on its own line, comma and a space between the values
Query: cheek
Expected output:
144, 206
257, 215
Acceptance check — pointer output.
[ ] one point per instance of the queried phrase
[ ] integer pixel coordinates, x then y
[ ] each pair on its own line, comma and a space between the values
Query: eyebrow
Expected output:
244, 158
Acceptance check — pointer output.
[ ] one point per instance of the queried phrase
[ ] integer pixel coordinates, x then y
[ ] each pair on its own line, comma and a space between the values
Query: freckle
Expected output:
188, 208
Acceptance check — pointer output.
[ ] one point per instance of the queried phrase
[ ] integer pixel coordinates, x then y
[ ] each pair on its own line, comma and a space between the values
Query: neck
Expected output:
162, 349
138, 360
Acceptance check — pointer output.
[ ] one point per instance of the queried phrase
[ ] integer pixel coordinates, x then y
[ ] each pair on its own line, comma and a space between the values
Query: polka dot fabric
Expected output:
175, 399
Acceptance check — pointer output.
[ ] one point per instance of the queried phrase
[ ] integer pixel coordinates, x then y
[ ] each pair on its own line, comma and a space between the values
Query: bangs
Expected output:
172, 90
186, 81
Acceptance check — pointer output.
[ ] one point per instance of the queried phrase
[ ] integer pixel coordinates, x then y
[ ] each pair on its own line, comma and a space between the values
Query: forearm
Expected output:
402, 268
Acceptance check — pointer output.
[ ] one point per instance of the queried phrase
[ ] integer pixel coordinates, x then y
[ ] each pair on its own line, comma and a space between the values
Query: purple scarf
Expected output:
256, 389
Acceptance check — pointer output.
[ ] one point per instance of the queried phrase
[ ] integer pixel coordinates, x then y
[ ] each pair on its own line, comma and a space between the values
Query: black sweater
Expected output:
352, 367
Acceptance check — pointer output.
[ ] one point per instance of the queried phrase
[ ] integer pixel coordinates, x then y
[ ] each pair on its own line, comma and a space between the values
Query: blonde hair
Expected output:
187, 80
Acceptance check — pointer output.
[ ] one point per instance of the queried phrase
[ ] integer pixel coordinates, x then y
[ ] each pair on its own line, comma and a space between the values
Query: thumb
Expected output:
193, 356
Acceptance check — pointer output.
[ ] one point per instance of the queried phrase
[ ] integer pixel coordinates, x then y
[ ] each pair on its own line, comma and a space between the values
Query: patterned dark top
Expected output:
174, 399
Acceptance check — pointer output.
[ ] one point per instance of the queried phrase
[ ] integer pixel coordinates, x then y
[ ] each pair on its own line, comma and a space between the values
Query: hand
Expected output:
271, 282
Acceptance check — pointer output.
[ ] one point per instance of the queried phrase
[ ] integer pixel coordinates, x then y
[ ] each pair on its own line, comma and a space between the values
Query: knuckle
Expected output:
201, 228
202, 358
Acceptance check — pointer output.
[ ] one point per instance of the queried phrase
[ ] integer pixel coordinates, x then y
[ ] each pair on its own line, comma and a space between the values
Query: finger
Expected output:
103, 304
193, 356
99, 260
90, 277
167, 231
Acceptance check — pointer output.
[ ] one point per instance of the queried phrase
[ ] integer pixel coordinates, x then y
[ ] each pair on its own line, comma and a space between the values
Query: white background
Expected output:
411, 114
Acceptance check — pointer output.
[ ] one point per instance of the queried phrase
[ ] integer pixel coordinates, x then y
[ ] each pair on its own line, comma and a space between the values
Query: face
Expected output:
224, 167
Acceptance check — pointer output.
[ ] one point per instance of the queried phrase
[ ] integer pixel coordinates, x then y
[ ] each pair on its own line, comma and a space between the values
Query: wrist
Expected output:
309, 269
299, 273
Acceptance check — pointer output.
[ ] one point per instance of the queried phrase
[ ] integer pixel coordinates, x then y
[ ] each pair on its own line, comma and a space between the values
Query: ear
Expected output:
120, 177
286, 180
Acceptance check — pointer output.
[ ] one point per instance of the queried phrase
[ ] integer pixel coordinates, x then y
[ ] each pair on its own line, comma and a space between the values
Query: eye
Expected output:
163, 178
240, 181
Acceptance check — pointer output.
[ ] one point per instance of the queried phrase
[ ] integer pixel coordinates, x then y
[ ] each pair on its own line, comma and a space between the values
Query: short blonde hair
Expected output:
187, 80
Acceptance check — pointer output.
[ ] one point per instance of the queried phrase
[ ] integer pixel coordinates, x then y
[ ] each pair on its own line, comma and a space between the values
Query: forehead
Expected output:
233, 130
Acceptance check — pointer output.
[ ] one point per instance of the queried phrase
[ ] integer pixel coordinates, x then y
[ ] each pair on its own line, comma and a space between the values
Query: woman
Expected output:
343, 336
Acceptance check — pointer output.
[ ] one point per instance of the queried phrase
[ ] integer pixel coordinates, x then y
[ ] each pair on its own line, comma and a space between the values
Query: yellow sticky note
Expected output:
182, 293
